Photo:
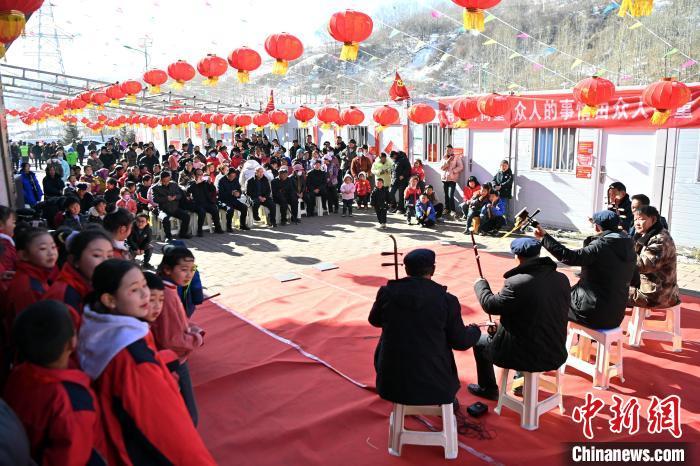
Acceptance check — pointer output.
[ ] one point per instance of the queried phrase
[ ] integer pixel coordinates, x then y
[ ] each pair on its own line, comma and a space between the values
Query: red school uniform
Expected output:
28, 286
144, 417
60, 414
419, 172
469, 192
71, 288
8, 253
171, 328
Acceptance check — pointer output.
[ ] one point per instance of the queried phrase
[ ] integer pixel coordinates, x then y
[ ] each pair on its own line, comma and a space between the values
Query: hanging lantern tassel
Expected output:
304, 124
259, 129
114, 103
280, 67
349, 51
154, 89
588, 111
243, 76
211, 82
461, 124
131, 99
660, 117
326, 126
274, 126
636, 8
473, 19
379, 128
178, 84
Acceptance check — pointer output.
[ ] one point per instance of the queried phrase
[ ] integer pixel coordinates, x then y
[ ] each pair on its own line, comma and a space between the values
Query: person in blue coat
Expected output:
425, 212
493, 213
30, 186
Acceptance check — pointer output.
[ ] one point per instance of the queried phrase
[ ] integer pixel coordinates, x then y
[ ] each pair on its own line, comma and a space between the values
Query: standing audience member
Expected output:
607, 262
655, 284
641, 200
503, 183
363, 189
52, 182
8, 252
620, 203
452, 166
401, 172
30, 186
134, 388
347, 192
379, 199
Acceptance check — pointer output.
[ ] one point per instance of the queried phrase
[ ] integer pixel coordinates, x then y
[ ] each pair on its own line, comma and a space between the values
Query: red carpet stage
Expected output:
286, 375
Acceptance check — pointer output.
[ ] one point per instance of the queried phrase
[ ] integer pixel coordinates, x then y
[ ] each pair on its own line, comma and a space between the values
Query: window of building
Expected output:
435, 142
358, 133
554, 149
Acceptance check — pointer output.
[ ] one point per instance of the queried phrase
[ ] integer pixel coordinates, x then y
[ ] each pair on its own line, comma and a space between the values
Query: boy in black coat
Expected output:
421, 324
379, 199
533, 306
139, 240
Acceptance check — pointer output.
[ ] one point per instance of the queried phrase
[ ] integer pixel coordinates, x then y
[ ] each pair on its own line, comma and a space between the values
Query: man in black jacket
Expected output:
421, 324
148, 158
259, 191
620, 203
503, 183
316, 186
400, 173
203, 195
607, 263
229, 197
283, 193
533, 306
167, 195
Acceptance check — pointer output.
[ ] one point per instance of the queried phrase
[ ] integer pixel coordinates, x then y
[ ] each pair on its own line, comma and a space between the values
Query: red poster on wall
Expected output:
584, 153
584, 172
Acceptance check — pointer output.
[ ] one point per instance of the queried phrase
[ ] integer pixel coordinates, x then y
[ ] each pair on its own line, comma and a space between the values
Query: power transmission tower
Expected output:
48, 40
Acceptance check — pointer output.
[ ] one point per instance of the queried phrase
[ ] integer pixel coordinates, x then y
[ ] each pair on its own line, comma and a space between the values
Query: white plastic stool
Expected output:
319, 206
668, 330
606, 365
530, 408
446, 438
302, 211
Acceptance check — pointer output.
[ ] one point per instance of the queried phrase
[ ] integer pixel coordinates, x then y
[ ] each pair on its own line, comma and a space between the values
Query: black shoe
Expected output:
477, 390
245, 227
184, 236
229, 229
257, 219
218, 230
283, 222
273, 225
200, 233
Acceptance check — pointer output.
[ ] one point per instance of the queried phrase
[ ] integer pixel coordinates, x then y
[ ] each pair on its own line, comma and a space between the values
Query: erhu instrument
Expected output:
492, 327
396, 255
523, 219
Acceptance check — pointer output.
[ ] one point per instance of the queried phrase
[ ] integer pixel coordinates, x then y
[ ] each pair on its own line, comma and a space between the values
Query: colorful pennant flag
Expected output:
514, 55
635, 25
523, 35
537, 66
576, 63
398, 90
673, 51
490, 42
688, 64
489, 18
394, 32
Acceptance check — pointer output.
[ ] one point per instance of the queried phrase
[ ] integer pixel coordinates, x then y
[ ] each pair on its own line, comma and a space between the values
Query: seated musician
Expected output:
421, 324
533, 306
655, 284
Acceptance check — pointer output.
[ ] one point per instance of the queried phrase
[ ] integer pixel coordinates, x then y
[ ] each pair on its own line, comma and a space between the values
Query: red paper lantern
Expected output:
212, 67
666, 96
155, 78
101, 118
99, 99
244, 60
184, 118
465, 109
121, 119
181, 72
473, 15
243, 121
218, 119
78, 104
131, 88
260, 120
350, 27
328, 115
303, 115
592, 92
196, 117
352, 116
385, 116
152, 122
230, 119
421, 113
206, 118
278, 118
115, 93
86, 97
283, 48
143, 119
493, 105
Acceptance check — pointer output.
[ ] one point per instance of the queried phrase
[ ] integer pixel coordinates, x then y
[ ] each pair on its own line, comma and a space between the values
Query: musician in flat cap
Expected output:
421, 324
607, 262
533, 306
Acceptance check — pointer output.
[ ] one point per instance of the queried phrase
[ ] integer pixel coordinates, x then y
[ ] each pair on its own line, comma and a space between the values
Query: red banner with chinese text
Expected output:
625, 111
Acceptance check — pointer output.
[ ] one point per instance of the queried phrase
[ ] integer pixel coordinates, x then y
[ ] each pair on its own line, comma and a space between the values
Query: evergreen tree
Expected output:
71, 135
127, 135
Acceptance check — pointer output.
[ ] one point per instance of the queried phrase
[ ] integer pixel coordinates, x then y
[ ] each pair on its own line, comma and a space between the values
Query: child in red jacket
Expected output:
144, 417
37, 254
86, 250
55, 404
172, 330
8, 253
362, 190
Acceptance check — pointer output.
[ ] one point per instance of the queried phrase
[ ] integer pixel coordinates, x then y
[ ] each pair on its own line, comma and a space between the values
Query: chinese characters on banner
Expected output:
584, 159
662, 415
626, 110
